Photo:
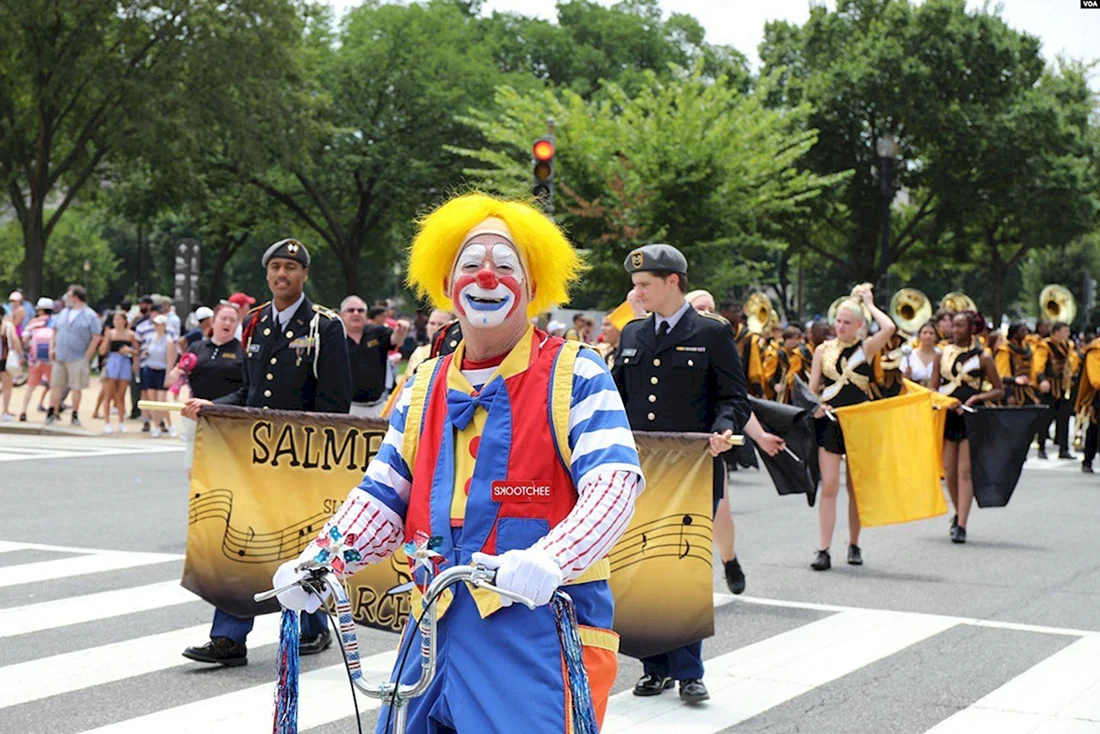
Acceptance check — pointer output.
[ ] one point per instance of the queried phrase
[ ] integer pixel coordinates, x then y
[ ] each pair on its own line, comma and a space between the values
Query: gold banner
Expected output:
263, 483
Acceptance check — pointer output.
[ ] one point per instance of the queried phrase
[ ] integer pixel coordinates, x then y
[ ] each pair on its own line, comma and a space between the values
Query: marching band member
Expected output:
678, 370
1013, 359
469, 429
888, 366
841, 375
1088, 395
962, 368
791, 362
1054, 366
943, 321
920, 363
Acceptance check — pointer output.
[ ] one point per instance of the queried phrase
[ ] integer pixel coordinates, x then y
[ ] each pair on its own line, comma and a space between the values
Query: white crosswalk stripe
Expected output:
819, 646
31, 448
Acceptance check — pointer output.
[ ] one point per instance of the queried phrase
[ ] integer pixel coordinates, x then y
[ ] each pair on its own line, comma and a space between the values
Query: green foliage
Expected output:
77, 238
685, 160
994, 150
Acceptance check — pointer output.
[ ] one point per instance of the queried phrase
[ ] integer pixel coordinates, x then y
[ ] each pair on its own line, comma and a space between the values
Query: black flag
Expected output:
795, 425
999, 440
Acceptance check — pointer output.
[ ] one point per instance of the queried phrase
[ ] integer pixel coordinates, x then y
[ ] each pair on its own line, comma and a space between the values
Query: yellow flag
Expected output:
892, 445
621, 316
940, 404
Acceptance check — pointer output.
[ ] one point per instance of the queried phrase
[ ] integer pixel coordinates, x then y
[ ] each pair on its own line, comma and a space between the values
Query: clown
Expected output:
516, 453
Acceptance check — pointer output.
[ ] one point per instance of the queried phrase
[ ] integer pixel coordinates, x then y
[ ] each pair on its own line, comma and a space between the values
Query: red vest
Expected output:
519, 446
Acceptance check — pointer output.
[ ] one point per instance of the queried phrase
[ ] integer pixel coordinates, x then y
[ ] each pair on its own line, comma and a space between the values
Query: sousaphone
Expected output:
1056, 303
957, 302
910, 309
758, 311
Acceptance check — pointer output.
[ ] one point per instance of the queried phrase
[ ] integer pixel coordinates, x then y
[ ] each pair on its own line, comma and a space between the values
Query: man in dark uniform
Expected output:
446, 339
678, 370
295, 358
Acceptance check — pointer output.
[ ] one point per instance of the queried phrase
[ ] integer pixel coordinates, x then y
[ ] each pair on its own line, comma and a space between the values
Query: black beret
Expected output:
656, 258
288, 249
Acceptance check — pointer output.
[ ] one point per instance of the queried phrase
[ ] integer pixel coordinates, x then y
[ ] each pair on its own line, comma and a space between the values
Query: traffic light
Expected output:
543, 172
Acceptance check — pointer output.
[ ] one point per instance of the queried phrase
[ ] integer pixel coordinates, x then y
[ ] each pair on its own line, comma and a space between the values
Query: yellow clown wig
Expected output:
552, 263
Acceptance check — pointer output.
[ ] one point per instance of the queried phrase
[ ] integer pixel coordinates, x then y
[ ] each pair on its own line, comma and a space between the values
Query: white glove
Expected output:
531, 572
295, 598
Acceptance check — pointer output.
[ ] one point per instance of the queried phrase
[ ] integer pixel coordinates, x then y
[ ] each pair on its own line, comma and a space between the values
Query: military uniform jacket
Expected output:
303, 366
693, 382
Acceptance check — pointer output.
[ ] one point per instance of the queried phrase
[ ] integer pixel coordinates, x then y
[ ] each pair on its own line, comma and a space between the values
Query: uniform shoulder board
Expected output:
717, 317
261, 307
328, 313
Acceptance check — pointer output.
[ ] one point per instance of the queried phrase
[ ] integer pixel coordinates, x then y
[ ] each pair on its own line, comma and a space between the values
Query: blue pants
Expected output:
503, 673
237, 628
680, 664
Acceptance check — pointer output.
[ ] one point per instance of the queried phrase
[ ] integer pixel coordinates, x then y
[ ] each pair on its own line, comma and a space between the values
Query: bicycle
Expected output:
320, 577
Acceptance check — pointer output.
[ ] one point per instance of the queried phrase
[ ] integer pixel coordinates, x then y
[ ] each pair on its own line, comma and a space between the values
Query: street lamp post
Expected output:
887, 149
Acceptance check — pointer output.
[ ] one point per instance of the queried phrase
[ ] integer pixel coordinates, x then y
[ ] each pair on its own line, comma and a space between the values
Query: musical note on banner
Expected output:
669, 536
252, 547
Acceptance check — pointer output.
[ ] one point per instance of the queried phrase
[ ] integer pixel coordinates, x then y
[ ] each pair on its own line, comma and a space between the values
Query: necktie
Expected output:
662, 332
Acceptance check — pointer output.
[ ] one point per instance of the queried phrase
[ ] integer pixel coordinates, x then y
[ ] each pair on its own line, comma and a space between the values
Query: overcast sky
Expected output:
1061, 24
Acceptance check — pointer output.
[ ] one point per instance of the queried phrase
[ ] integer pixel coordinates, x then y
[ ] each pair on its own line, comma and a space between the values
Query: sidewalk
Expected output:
36, 421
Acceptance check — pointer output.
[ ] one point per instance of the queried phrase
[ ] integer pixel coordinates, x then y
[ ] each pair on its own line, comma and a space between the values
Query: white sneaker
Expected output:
7, 418
122, 428
155, 433
108, 428
172, 431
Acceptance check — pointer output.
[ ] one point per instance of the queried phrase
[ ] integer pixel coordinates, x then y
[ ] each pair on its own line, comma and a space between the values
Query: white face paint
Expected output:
487, 282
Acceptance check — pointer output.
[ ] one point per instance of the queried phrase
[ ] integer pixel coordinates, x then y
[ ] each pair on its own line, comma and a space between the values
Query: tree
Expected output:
621, 43
369, 149
86, 81
687, 160
968, 111
78, 238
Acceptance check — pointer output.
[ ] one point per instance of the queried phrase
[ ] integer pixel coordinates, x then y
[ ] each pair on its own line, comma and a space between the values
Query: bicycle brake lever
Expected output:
311, 583
484, 578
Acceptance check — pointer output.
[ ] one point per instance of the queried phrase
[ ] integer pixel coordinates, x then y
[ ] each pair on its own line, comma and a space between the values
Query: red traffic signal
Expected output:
543, 150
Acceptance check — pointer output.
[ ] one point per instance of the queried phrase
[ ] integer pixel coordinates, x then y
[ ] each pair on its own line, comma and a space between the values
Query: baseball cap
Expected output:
162, 319
14, 296
44, 304
203, 312
242, 299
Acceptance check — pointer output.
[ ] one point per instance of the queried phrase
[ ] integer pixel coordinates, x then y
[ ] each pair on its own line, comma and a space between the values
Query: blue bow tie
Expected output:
461, 407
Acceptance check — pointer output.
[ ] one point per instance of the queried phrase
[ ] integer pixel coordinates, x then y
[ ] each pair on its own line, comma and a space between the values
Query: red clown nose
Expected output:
486, 279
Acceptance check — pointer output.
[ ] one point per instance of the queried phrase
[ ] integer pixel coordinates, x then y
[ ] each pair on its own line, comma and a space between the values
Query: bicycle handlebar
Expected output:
398, 693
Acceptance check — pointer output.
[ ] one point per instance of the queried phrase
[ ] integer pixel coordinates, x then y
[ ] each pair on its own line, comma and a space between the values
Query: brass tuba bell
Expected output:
1056, 303
910, 309
956, 302
758, 310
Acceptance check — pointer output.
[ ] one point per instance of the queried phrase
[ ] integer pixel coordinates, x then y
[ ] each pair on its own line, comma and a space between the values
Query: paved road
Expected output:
1000, 635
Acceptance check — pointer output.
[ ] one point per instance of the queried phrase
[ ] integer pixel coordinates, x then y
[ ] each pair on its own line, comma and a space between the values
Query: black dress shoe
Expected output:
855, 556
1042, 453
652, 684
219, 651
822, 562
1087, 468
692, 690
1065, 454
958, 535
315, 644
735, 577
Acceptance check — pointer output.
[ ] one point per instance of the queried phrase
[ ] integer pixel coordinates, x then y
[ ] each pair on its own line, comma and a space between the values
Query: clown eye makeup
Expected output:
506, 258
472, 257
